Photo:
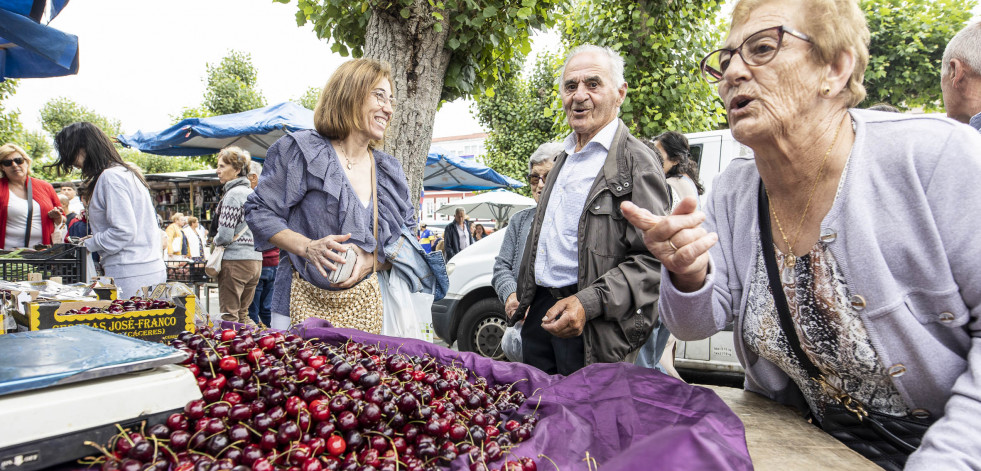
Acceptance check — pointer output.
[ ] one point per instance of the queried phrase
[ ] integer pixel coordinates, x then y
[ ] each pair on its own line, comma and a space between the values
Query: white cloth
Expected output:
123, 225
75, 205
557, 262
194, 242
128, 286
17, 223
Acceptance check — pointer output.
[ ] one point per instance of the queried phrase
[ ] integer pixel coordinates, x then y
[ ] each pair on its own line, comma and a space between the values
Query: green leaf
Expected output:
438, 16
405, 13
524, 13
438, 27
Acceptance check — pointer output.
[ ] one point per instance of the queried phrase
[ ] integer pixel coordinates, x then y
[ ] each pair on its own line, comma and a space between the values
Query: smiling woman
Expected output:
329, 198
29, 207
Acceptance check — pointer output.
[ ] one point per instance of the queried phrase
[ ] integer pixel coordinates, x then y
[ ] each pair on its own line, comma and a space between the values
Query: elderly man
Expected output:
457, 236
960, 76
588, 289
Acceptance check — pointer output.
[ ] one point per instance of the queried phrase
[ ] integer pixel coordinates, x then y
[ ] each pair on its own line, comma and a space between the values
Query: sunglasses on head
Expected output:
13, 161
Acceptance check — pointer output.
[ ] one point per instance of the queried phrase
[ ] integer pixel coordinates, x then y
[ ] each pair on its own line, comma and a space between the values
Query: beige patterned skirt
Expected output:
359, 307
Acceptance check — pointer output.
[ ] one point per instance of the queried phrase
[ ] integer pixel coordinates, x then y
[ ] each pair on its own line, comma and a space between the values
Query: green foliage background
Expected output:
662, 43
521, 114
483, 36
908, 41
231, 85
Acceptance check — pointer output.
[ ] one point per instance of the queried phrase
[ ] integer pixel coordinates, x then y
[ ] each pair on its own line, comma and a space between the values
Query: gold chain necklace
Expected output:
790, 260
346, 158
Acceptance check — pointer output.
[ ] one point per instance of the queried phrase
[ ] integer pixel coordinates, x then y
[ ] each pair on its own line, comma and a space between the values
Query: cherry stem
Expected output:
542, 455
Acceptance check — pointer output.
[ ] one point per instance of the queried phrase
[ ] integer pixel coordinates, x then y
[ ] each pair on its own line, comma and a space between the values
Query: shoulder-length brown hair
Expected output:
340, 108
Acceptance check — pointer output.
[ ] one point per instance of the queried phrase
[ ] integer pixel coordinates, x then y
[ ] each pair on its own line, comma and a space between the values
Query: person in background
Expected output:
202, 232
681, 175
177, 244
74, 202
120, 210
16, 183
165, 239
426, 238
587, 287
960, 76
260, 311
314, 201
241, 265
458, 235
66, 208
195, 244
62, 229
479, 232
843, 251
508, 260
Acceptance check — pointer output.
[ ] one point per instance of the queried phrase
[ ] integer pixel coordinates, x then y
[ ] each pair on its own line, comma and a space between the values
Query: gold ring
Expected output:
673, 247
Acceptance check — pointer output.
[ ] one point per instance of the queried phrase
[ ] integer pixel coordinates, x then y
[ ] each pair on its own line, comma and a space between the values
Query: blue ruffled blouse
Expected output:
303, 188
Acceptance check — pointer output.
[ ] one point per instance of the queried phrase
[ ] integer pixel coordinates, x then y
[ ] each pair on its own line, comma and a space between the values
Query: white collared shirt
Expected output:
557, 261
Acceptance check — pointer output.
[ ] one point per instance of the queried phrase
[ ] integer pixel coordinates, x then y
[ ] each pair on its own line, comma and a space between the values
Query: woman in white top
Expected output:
121, 215
44, 213
197, 246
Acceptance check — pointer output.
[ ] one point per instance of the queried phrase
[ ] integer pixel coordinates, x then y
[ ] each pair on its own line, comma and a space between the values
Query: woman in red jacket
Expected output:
22, 225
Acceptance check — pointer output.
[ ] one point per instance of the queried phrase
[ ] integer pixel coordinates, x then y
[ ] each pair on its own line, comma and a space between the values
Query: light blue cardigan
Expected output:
906, 233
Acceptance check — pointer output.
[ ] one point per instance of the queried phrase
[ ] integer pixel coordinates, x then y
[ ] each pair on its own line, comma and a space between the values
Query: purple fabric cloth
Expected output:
625, 416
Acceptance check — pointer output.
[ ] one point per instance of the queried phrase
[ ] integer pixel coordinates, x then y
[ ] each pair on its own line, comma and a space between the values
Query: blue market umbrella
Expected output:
253, 130
445, 172
29, 49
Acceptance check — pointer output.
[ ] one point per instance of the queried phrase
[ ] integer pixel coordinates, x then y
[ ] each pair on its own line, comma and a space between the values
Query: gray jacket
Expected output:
618, 276
231, 221
904, 232
508, 259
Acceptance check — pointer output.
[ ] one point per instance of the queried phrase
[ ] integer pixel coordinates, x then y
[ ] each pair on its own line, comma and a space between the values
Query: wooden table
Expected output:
780, 440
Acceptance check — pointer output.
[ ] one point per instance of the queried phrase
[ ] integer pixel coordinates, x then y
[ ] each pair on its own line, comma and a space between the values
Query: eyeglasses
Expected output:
382, 99
13, 161
535, 178
758, 49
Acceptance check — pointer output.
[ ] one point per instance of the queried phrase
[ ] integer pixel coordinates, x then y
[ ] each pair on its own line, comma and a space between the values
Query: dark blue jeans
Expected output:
259, 311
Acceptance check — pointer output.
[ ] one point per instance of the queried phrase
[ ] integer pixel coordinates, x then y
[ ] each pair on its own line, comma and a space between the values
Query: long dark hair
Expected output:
675, 145
100, 154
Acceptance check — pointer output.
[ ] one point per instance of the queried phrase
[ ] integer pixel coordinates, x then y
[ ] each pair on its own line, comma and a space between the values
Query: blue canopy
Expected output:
29, 49
445, 172
253, 130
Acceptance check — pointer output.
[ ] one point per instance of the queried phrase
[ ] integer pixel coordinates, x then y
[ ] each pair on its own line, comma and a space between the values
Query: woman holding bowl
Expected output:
840, 251
325, 192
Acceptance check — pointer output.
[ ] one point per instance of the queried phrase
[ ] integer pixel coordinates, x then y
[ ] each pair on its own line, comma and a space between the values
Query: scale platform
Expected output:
61, 387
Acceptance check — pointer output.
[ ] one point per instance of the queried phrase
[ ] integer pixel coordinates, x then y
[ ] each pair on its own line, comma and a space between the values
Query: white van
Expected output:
472, 315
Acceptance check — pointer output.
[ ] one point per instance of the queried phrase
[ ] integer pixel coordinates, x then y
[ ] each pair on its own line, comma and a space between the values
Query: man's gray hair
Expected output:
966, 46
458, 210
545, 152
255, 168
616, 61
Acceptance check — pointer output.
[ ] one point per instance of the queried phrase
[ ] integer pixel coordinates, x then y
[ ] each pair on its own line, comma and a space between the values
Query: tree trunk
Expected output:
419, 59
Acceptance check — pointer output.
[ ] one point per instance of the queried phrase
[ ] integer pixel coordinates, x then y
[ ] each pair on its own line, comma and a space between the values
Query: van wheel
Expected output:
482, 328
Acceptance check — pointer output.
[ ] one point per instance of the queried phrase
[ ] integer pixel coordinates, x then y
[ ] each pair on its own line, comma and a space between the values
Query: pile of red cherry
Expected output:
119, 306
272, 401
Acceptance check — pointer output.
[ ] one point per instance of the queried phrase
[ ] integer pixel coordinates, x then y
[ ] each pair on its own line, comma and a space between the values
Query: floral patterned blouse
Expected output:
830, 330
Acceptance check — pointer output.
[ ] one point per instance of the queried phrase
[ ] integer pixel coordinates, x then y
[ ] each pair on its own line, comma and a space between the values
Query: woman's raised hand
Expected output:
678, 241
322, 252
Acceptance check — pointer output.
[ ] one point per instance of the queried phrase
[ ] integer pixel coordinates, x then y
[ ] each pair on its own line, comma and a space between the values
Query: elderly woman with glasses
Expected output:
328, 192
844, 252
23, 224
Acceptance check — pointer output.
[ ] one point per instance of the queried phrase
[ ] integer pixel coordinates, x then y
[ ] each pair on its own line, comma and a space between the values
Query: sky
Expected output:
142, 61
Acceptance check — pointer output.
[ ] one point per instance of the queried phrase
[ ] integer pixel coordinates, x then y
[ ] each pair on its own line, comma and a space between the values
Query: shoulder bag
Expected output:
213, 265
358, 307
885, 439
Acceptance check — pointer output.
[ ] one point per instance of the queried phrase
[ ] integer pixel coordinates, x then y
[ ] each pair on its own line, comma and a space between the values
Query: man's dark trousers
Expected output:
543, 350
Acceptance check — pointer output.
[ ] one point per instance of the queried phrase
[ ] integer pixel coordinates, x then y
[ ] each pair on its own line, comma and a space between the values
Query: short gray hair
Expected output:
255, 168
544, 152
966, 46
616, 61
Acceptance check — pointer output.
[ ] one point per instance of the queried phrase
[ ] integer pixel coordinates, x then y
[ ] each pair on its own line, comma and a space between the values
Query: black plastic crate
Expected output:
186, 271
64, 260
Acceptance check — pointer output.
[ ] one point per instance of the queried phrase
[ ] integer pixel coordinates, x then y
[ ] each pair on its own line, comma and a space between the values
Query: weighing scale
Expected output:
61, 387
